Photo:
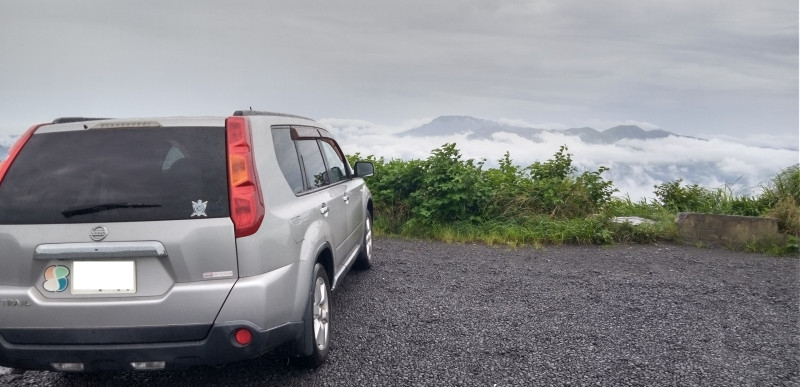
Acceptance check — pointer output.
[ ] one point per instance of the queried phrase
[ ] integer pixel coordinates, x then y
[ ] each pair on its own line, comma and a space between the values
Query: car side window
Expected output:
314, 167
336, 166
286, 153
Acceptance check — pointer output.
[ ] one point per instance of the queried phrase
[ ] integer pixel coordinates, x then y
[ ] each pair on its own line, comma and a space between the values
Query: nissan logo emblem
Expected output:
98, 233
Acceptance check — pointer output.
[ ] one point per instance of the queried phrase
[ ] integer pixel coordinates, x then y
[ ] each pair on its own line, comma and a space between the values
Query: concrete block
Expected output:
728, 230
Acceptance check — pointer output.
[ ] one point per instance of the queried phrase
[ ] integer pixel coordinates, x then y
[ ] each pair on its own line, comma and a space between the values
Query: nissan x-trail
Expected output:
163, 243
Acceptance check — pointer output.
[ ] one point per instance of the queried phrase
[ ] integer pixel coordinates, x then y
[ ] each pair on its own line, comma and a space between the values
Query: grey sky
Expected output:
694, 67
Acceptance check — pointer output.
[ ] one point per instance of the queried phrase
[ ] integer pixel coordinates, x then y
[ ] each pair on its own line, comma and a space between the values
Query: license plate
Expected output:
103, 277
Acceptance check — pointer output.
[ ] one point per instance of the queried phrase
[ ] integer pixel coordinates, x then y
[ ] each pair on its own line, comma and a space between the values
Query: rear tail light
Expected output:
12, 153
247, 205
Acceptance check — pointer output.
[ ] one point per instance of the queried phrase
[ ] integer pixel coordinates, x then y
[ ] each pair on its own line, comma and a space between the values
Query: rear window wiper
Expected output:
83, 210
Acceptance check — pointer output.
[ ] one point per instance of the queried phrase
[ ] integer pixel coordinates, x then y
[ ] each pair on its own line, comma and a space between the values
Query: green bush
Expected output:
450, 189
547, 188
446, 197
393, 183
721, 201
678, 198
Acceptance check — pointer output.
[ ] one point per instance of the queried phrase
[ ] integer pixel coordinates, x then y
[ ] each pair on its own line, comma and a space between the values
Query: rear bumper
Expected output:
218, 347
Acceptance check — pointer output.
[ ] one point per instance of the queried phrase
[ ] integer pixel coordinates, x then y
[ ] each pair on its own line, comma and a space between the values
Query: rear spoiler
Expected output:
67, 120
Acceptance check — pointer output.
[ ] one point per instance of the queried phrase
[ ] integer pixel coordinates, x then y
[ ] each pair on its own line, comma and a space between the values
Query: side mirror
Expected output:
364, 169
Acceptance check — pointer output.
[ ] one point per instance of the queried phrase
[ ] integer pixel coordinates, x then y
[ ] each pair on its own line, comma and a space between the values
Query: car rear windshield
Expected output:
117, 175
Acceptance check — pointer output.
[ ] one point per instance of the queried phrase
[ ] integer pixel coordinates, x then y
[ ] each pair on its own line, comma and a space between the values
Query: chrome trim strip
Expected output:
145, 249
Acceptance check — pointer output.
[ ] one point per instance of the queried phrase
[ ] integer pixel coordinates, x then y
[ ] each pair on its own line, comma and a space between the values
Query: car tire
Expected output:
364, 260
318, 320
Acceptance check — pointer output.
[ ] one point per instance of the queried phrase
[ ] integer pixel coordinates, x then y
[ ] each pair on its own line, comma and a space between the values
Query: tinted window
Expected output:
315, 174
117, 175
287, 158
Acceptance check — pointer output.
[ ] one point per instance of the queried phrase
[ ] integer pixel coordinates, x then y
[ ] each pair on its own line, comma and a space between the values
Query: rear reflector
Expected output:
246, 202
243, 336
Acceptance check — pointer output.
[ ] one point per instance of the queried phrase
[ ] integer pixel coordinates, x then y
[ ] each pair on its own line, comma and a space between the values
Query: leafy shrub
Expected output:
678, 198
558, 192
549, 188
449, 198
722, 201
449, 189
393, 183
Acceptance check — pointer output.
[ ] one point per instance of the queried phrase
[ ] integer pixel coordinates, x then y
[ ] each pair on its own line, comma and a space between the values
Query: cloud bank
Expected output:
635, 165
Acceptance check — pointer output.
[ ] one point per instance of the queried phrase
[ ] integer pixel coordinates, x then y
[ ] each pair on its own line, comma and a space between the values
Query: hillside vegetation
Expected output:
449, 198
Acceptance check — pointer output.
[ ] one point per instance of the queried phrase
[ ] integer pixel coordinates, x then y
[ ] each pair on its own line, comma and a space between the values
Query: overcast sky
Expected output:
695, 67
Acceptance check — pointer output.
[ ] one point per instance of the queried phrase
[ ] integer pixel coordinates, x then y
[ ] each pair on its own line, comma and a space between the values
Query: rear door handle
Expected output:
346, 198
323, 209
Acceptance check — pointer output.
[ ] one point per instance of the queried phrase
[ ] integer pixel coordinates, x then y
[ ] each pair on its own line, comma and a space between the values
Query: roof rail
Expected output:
260, 113
66, 120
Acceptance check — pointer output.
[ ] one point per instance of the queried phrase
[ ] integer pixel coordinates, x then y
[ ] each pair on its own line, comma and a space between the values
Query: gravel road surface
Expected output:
435, 314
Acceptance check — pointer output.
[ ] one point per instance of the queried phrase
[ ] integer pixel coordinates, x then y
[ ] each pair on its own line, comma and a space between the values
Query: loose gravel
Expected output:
435, 314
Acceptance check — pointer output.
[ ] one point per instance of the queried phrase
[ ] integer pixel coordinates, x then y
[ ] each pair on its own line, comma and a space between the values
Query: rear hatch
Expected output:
116, 232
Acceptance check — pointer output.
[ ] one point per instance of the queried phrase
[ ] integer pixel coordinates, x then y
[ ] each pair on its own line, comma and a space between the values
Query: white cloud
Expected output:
789, 141
524, 124
635, 165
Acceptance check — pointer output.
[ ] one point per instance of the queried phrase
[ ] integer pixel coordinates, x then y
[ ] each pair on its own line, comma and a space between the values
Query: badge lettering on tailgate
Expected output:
15, 303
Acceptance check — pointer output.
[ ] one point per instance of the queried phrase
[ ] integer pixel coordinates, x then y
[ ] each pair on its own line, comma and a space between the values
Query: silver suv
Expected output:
163, 243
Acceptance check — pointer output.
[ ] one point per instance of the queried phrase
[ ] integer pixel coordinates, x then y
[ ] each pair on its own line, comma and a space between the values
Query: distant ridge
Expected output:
477, 128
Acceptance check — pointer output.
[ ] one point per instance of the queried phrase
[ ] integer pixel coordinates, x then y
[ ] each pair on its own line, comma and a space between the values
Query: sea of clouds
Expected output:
636, 166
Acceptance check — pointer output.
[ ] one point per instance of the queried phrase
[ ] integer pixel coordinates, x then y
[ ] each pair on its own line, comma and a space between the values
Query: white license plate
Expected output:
103, 277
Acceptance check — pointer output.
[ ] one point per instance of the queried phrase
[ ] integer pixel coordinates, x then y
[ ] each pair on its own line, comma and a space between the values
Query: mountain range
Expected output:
477, 128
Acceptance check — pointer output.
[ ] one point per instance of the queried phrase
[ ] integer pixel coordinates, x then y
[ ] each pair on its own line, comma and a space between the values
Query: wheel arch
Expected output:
304, 346
325, 258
